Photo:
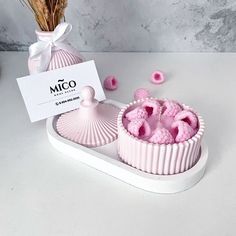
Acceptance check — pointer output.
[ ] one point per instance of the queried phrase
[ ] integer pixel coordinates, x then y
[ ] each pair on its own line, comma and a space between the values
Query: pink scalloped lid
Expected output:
93, 124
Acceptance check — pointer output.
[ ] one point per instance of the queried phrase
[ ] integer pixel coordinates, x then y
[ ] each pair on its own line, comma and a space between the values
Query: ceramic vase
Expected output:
59, 57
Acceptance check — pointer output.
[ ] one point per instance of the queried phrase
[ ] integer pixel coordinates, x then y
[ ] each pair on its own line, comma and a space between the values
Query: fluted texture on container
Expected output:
61, 58
158, 158
93, 131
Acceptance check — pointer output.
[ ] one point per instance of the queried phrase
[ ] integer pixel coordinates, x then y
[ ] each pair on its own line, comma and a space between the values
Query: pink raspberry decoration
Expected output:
182, 130
110, 83
139, 128
137, 113
152, 107
188, 117
162, 136
125, 121
141, 93
170, 108
157, 77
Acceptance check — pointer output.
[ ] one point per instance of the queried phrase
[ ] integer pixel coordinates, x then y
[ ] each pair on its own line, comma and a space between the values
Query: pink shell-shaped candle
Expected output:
93, 124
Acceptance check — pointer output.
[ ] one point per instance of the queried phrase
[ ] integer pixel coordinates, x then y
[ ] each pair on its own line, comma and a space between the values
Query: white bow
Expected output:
43, 48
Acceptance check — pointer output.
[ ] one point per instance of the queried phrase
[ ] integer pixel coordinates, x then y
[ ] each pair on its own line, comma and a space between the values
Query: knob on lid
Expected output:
93, 124
88, 95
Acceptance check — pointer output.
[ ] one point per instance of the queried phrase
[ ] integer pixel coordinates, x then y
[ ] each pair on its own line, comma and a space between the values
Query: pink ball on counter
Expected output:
141, 93
157, 77
110, 83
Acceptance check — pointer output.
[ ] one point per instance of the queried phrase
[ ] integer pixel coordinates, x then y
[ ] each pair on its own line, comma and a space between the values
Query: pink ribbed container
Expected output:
59, 57
158, 159
92, 125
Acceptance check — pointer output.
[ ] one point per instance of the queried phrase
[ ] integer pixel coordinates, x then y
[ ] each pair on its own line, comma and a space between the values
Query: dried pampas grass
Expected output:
48, 13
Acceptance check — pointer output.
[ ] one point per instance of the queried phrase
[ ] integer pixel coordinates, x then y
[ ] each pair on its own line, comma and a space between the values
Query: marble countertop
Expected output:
43, 192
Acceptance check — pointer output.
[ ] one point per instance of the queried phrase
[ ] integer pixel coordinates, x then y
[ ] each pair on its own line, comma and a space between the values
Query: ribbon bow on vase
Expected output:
40, 53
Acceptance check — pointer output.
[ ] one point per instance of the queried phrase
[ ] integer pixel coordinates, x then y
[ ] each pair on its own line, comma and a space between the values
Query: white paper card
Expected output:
54, 92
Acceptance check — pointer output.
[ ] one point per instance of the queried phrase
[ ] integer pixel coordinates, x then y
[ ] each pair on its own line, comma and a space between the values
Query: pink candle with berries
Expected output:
159, 136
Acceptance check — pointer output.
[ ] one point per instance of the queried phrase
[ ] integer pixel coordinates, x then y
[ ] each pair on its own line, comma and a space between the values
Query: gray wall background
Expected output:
132, 25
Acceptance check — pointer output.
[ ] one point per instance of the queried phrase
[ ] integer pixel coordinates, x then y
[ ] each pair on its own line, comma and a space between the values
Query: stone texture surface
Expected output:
132, 25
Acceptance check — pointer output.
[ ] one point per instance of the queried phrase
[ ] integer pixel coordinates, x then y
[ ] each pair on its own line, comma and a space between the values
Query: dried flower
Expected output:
47, 13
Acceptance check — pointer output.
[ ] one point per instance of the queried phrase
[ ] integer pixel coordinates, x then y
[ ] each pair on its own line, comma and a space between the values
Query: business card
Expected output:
58, 91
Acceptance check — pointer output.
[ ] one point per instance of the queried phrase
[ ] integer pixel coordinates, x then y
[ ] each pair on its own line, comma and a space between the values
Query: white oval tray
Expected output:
106, 159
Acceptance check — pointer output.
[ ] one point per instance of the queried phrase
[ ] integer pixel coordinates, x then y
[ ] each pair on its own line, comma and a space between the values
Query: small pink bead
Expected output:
141, 93
157, 77
110, 83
